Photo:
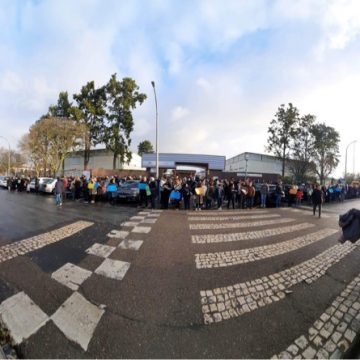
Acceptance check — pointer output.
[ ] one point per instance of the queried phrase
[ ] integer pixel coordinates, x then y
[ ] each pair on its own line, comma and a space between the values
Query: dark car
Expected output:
270, 199
128, 191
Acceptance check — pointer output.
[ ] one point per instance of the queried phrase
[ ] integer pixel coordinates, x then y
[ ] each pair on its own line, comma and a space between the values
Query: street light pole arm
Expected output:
353, 142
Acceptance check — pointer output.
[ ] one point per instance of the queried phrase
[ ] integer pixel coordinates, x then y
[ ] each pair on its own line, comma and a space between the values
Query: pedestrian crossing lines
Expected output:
239, 224
232, 217
223, 303
77, 317
235, 257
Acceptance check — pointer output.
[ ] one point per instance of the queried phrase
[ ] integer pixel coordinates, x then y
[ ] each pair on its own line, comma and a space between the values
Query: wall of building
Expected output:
99, 159
256, 164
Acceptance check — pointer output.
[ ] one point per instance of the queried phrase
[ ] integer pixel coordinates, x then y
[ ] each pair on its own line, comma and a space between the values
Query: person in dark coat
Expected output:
350, 224
317, 199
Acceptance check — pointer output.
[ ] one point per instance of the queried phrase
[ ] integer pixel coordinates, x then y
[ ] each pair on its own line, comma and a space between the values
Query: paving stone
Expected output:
349, 335
100, 250
322, 354
301, 342
71, 276
21, 316
309, 353
343, 345
293, 350
330, 346
336, 336
77, 318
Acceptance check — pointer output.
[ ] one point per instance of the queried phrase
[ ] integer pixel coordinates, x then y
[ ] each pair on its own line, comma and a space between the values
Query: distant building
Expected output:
256, 166
99, 159
181, 162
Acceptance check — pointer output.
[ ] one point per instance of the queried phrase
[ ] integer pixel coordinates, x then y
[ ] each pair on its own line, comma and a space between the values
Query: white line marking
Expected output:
232, 218
249, 235
239, 225
71, 276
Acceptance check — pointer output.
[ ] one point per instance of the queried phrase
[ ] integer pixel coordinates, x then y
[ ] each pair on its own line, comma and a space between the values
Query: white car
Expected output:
47, 185
3, 181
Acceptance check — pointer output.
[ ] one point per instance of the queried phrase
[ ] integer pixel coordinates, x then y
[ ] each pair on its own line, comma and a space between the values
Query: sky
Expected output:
221, 68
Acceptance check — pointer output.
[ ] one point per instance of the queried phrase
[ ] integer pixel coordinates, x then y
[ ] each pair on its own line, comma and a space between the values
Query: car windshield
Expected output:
48, 181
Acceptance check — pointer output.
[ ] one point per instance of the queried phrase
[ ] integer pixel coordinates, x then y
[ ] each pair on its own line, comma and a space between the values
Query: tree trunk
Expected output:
114, 161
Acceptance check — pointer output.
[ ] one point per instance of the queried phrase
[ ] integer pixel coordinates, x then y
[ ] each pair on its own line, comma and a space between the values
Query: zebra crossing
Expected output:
77, 317
332, 334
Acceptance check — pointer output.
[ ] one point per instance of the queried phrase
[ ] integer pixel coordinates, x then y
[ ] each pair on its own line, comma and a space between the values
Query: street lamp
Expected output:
353, 142
246, 166
157, 135
8, 172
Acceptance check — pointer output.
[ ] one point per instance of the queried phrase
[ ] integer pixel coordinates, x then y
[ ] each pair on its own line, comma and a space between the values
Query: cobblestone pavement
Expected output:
235, 300
333, 332
25, 246
234, 257
249, 235
174, 284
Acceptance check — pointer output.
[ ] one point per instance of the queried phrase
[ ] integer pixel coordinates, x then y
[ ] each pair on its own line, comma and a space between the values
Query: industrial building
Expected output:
255, 166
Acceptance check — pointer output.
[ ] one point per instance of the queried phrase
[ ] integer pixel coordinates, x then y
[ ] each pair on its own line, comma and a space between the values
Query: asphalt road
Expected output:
165, 305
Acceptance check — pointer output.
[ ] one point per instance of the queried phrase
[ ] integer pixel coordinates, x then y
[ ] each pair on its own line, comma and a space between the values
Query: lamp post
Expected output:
353, 142
9, 154
157, 135
246, 165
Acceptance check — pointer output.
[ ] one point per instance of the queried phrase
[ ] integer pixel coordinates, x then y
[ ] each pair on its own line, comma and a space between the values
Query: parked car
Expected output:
3, 181
46, 185
271, 197
128, 191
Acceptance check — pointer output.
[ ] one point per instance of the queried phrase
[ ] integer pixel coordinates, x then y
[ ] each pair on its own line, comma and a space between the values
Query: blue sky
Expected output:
221, 68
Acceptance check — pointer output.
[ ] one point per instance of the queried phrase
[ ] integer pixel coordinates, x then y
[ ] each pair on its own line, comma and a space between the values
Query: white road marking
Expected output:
129, 223
100, 250
71, 276
141, 229
21, 316
235, 300
226, 212
25, 246
239, 225
136, 218
148, 221
232, 218
77, 318
235, 257
130, 244
113, 269
249, 235
118, 234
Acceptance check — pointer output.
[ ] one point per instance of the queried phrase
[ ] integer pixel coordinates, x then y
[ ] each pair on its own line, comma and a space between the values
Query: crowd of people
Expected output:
187, 193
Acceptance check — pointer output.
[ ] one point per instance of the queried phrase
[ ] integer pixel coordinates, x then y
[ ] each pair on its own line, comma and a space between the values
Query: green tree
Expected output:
302, 149
63, 108
90, 112
326, 150
145, 147
122, 97
282, 131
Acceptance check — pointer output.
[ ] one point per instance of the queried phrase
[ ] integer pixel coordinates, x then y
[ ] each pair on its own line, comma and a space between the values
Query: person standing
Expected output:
317, 199
59, 189
279, 192
264, 191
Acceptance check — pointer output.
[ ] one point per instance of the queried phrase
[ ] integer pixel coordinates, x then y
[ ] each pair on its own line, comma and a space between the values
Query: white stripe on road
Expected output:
226, 212
235, 300
25, 246
22, 317
232, 218
239, 225
235, 257
249, 235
